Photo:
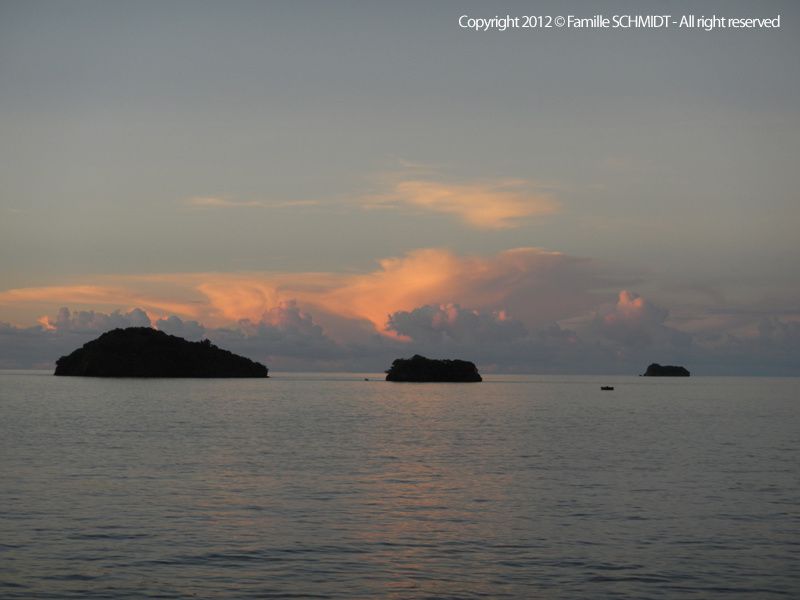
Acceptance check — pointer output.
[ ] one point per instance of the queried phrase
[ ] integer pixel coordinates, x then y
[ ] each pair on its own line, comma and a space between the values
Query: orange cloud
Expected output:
234, 298
534, 285
94, 296
499, 205
403, 283
633, 308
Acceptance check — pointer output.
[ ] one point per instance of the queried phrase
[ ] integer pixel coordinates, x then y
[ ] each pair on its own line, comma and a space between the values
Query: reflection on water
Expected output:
329, 486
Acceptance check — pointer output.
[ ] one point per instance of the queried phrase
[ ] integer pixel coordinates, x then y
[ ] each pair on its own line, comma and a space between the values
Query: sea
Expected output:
340, 485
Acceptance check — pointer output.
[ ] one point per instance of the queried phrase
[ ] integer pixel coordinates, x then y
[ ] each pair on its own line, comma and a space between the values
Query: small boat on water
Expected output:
607, 388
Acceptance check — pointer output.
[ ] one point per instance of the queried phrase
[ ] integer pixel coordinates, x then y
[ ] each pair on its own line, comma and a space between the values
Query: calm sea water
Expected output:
329, 486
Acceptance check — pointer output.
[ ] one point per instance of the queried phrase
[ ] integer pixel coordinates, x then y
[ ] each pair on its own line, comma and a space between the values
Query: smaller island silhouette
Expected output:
146, 352
420, 369
657, 370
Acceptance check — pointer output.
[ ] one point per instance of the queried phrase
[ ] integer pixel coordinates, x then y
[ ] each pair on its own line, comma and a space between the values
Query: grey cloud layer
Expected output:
618, 338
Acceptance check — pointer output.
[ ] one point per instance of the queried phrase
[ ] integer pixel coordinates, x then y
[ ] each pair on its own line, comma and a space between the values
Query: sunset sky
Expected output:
330, 185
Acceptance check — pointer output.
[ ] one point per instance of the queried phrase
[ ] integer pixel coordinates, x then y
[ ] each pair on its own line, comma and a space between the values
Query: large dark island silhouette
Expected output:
657, 370
421, 369
146, 352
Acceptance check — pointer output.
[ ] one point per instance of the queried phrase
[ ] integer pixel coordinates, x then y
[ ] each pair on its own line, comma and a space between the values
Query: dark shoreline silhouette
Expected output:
657, 370
146, 352
421, 369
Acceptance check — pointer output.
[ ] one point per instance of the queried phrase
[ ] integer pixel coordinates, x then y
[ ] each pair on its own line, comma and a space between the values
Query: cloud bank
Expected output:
619, 338
521, 310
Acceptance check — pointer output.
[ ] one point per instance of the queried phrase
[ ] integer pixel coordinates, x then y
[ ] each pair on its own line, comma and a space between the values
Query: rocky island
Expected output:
146, 352
657, 370
421, 369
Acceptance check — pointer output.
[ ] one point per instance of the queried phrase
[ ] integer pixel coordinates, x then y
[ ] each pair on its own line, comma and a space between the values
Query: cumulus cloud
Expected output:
633, 321
494, 340
284, 337
535, 285
773, 348
524, 309
285, 329
449, 323
28, 347
174, 325
39, 346
492, 205
636, 329
620, 338
89, 321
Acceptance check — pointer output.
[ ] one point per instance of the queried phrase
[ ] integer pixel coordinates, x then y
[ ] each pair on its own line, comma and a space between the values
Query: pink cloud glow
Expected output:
534, 285
482, 205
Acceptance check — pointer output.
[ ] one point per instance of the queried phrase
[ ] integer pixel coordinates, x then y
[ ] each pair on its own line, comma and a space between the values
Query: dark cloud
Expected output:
774, 349
283, 335
452, 324
39, 346
27, 347
188, 330
619, 338
492, 339
636, 324
89, 321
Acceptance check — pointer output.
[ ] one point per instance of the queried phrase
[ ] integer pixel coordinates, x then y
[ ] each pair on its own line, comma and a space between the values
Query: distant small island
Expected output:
146, 352
657, 370
421, 369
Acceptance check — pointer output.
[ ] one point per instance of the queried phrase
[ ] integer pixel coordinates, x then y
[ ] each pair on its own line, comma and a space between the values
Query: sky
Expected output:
331, 185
